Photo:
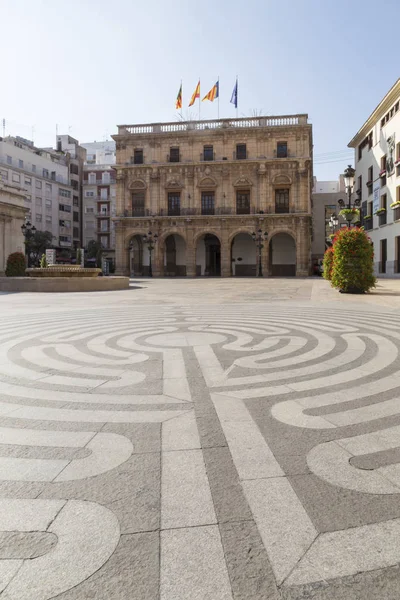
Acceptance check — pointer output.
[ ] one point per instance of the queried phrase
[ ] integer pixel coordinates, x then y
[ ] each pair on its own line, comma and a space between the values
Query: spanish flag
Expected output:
196, 94
213, 93
178, 103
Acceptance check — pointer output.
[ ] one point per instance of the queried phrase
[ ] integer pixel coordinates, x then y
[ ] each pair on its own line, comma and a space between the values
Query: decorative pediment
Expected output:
137, 184
243, 182
207, 182
173, 184
281, 180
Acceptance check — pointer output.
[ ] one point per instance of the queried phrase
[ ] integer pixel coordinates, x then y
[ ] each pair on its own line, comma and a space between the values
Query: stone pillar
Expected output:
302, 248
265, 259
190, 253
158, 259
121, 252
226, 270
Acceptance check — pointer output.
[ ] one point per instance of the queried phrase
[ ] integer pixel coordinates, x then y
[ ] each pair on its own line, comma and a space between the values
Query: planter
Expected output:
352, 290
63, 271
395, 205
382, 173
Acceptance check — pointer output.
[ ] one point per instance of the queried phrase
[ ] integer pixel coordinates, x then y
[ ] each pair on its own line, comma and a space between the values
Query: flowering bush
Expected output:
328, 264
353, 258
15, 265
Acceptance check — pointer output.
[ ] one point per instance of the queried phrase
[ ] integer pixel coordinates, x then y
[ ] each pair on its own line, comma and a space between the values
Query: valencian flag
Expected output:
234, 98
196, 94
213, 93
178, 103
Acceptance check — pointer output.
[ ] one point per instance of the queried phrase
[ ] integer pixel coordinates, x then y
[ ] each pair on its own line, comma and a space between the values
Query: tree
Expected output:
37, 244
78, 256
15, 265
353, 261
95, 250
43, 262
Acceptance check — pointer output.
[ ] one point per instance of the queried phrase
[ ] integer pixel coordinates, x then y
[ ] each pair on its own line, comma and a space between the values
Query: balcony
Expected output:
103, 215
396, 214
368, 224
184, 126
197, 212
382, 218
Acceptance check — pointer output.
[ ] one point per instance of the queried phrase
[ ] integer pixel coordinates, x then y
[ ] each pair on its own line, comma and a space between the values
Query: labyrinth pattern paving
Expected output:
211, 452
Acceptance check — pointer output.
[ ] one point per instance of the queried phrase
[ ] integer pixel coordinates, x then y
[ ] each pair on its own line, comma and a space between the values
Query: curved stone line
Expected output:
87, 533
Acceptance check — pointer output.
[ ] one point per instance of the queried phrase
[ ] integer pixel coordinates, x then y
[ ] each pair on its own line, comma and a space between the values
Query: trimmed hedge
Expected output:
353, 261
328, 264
16, 265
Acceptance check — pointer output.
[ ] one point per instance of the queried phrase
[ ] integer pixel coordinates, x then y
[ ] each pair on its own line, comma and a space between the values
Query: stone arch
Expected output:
174, 255
243, 182
137, 184
206, 231
282, 253
281, 180
243, 254
208, 247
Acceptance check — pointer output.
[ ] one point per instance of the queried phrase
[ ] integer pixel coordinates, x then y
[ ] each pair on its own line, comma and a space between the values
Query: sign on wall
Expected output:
377, 197
51, 256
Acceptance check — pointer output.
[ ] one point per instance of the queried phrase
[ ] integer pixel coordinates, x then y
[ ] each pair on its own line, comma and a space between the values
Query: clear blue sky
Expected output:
89, 65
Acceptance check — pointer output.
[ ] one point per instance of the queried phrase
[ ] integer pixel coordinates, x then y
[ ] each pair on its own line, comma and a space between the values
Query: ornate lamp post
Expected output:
28, 231
259, 238
150, 240
349, 210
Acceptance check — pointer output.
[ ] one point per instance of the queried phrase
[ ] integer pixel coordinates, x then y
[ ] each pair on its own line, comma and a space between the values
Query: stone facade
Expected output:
204, 187
12, 217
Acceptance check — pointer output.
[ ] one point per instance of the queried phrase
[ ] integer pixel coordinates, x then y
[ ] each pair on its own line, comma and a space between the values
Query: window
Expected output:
104, 209
48, 188
64, 207
398, 151
207, 203
64, 193
74, 169
104, 241
370, 180
45, 173
33, 168
38, 202
105, 177
103, 225
282, 201
383, 163
38, 218
21, 164
75, 232
104, 193
138, 156
28, 198
174, 155
281, 150
359, 187
4, 174
9, 160
383, 256
241, 151
66, 239
16, 177
75, 201
138, 204
28, 180
384, 201
243, 202
38, 184
64, 223
49, 202
89, 209
174, 204
48, 219
208, 152
92, 178
89, 194
76, 217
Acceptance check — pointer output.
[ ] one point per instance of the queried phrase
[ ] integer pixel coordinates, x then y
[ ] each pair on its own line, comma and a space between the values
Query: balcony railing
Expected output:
103, 215
197, 212
368, 224
246, 122
396, 214
382, 219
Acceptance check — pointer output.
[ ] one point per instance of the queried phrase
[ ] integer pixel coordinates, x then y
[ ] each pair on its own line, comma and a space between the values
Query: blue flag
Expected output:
234, 98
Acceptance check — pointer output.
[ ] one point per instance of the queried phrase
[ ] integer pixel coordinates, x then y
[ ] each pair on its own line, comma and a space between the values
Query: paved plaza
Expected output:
201, 440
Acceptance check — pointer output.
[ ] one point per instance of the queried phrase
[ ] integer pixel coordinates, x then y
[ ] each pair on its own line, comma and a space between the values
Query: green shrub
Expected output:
353, 260
78, 256
16, 265
43, 262
328, 264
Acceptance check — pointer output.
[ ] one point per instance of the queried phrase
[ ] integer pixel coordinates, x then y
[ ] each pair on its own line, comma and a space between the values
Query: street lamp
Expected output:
333, 222
259, 238
150, 240
350, 208
28, 231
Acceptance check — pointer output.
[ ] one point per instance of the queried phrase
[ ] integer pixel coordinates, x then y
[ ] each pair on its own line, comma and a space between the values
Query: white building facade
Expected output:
377, 162
44, 176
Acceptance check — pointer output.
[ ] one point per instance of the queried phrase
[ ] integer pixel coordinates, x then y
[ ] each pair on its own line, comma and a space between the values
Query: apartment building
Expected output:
377, 161
99, 193
44, 175
325, 197
205, 186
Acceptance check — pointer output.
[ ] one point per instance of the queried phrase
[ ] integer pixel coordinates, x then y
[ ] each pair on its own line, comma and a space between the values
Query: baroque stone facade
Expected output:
204, 187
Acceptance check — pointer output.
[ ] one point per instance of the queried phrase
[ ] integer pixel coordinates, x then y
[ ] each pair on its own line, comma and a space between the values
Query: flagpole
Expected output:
181, 101
218, 97
199, 99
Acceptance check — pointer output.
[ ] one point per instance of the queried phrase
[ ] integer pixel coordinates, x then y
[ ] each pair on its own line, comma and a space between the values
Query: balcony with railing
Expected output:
139, 212
242, 123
